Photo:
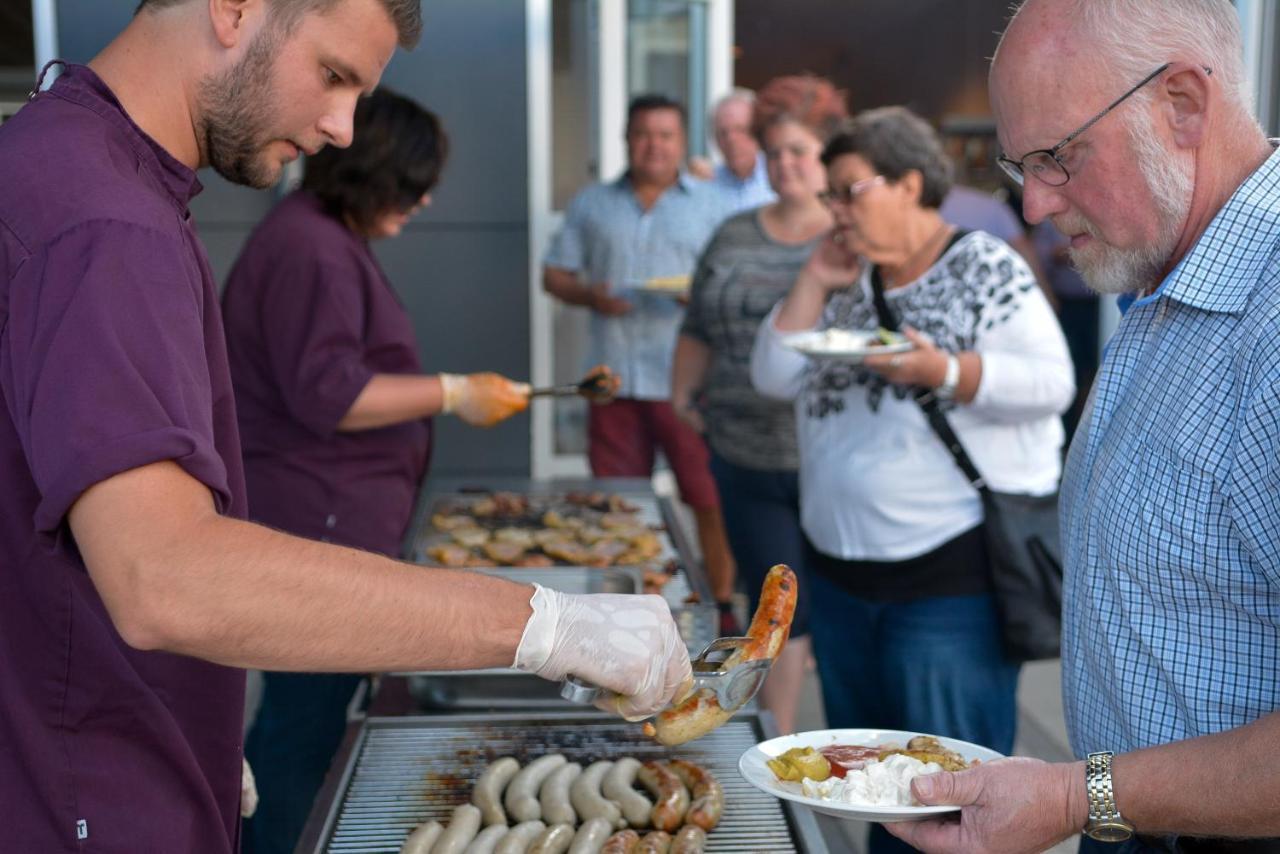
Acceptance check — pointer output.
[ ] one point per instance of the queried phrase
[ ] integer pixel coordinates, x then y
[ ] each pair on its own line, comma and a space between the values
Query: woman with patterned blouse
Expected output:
747, 267
904, 625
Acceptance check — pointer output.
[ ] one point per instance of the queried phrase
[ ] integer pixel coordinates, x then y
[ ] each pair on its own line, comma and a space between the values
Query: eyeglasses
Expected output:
1046, 164
847, 195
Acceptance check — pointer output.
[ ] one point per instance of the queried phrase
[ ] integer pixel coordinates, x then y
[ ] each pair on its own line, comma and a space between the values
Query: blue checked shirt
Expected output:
608, 237
1171, 499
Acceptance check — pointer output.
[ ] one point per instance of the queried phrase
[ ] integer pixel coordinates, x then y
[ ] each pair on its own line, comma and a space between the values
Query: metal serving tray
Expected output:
399, 772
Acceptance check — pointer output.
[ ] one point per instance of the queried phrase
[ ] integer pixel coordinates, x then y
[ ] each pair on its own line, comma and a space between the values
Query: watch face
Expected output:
1109, 832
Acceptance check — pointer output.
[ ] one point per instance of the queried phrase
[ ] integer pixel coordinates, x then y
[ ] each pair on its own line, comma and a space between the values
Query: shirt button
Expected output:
331, 522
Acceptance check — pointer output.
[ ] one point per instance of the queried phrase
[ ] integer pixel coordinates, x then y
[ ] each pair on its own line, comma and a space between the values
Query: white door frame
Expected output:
611, 108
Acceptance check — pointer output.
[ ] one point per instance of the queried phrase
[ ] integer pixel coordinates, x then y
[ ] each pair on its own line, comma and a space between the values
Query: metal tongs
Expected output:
733, 686
596, 385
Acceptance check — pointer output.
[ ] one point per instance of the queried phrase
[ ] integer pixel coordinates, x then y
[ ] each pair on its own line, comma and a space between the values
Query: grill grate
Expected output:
409, 770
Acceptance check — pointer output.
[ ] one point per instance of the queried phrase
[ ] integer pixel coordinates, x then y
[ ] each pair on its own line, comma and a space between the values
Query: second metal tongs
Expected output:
733, 686
597, 385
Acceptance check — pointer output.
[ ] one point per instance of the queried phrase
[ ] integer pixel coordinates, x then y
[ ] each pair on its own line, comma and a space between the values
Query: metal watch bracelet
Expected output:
1105, 824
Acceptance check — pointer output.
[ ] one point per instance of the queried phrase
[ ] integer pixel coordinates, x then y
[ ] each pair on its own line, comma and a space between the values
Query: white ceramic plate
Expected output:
844, 345
753, 768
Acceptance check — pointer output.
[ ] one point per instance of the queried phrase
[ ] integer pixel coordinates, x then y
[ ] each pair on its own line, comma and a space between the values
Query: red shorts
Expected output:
624, 437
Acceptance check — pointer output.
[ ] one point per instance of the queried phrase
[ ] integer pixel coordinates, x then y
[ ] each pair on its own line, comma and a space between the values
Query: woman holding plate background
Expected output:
903, 622
747, 267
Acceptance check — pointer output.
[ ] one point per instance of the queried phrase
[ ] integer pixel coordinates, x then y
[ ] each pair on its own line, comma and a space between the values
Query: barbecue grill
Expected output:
400, 772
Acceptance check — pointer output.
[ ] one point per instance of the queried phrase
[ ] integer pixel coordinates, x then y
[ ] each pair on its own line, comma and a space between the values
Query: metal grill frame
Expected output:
336, 819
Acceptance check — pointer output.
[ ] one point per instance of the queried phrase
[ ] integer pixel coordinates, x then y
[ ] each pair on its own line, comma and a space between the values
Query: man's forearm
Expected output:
389, 399
1223, 785
565, 286
802, 306
176, 576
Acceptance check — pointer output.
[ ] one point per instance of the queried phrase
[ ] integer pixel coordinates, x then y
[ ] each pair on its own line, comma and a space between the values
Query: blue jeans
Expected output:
290, 747
762, 521
928, 665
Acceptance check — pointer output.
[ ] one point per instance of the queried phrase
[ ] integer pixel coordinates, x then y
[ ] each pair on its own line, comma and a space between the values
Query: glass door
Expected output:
587, 59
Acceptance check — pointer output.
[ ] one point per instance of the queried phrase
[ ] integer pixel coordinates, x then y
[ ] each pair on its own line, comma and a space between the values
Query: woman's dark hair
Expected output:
895, 141
395, 158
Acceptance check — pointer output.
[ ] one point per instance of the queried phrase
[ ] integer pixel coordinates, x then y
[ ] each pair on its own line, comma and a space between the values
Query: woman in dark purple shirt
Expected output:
333, 407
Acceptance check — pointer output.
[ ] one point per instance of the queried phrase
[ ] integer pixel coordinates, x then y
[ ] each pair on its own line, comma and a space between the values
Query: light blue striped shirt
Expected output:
744, 194
1171, 499
608, 237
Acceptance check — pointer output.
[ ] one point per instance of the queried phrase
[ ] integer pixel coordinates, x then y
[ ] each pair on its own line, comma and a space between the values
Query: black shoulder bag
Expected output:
1021, 533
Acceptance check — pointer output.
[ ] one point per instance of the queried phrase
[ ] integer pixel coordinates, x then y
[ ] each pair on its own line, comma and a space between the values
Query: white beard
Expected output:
1109, 270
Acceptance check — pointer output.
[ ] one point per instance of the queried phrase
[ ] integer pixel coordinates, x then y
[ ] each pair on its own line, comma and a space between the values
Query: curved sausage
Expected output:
671, 795
522, 795
487, 840
622, 842
461, 830
487, 794
423, 837
554, 797
519, 838
690, 840
704, 789
585, 795
554, 840
591, 837
700, 712
654, 842
617, 787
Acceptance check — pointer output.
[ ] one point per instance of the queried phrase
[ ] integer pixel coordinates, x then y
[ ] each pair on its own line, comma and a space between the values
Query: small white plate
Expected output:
845, 345
670, 286
754, 770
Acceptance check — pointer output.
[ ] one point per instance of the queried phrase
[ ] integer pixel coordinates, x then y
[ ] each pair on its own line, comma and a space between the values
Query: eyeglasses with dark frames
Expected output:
1046, 163
846, 195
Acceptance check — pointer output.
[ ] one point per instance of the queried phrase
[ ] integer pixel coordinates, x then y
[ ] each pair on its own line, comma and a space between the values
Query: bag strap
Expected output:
927, 400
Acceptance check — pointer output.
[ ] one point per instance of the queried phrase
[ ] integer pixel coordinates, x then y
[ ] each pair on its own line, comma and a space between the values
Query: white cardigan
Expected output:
876, 483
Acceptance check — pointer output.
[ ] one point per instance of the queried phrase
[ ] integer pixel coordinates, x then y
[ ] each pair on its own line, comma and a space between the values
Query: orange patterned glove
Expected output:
483, 400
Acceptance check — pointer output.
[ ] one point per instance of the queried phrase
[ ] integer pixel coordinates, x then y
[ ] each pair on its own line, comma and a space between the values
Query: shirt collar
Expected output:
1246, 227
725, 175
684, 181
80, 85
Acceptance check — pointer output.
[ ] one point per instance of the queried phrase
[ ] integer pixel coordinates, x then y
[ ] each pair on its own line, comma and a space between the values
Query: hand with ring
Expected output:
924, 366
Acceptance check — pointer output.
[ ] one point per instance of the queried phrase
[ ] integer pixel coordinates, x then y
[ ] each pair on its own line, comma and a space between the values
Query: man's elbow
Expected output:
148, 615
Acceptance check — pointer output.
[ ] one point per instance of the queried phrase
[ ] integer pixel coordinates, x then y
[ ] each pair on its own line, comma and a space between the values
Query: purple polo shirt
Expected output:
310, 319
111, 357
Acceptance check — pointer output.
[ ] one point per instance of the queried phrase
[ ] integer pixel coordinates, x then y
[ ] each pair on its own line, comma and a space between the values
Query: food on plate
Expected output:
654, 842
700, 712
668, 283
618, 787
450, 554
554, 797
616, 521
886, 337
552, 536
926, 748
462, 828
519, 838
591, 836
690, 840
487, 795
470, 537
800, 762
423, 838
443, 522
670, 796
587, 800
886, 782
487, 839
521, 537
503, 553
847, 757
556, 839
521, 799
707, 794
622, 842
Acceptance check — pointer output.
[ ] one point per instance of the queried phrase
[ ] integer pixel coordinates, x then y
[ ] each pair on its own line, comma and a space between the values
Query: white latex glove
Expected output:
627, 644
483, 400
248, 791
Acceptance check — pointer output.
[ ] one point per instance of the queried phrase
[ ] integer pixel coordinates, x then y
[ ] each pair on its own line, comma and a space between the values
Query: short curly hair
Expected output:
395, 158
812, 102
896, 141
407, 14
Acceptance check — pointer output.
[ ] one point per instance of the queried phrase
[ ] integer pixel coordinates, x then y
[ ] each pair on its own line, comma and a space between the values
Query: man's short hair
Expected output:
895, 141
647, 103
406, 14
395, 158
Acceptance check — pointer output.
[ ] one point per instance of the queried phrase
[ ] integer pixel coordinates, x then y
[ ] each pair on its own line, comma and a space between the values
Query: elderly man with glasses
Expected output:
1171, 498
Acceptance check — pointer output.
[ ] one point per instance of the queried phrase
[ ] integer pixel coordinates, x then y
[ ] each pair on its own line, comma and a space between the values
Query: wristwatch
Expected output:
1105, 822
950, 380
